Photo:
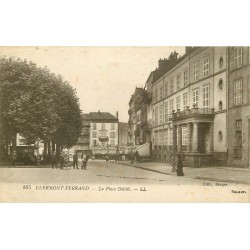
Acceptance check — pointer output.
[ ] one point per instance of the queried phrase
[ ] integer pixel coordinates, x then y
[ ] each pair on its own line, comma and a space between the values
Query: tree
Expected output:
37, 104
70, 122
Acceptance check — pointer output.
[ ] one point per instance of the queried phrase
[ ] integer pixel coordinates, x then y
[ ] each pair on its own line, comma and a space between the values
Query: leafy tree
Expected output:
37, 104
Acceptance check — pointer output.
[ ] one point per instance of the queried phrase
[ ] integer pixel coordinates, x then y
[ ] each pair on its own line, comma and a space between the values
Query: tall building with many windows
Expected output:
99, 134
239, 106
190, 114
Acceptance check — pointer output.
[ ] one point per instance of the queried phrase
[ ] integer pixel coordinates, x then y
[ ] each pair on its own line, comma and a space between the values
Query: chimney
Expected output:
117, 116
162, 63
173, 58
99, 112
175, 55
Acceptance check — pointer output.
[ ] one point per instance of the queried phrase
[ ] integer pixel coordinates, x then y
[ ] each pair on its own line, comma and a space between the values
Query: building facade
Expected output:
239, 106
134, 117
189, 108
99, 134
146, 110
197, 105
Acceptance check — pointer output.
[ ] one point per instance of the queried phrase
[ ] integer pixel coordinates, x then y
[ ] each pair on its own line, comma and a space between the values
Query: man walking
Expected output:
84, 162
54, 160
62, 160
75, 160
14, 158
132, 159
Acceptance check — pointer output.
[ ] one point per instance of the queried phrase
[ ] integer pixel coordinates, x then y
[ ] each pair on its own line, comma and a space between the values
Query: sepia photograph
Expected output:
125, 124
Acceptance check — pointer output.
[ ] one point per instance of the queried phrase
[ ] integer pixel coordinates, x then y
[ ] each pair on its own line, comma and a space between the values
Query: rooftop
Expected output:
99, 116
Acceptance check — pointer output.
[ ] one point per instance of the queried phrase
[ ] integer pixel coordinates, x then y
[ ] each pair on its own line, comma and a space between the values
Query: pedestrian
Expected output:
14, 158
117, 157
93, 157
107, 158
62, 160
84, 162
75, 160
87, 158
179, 166
136, 156
132, 159
54, 160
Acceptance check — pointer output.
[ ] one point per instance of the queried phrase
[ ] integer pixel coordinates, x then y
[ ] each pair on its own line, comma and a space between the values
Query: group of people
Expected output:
80, 161
77, 161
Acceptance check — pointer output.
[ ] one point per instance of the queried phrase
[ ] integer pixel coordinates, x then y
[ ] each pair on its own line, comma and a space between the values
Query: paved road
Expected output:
98, 172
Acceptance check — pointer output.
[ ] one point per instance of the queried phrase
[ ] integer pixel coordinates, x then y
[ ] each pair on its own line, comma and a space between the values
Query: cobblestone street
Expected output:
121, 173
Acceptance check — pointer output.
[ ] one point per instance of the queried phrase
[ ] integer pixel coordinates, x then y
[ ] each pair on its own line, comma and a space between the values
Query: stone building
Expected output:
103, 133
189, 108
134, 117
239, 107
146, 110
146, 106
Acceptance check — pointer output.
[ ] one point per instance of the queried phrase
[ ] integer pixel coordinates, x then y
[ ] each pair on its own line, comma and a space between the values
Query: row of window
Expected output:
236, 57
164, 109
103, 144
195, 70
161, 112
103, 134
165, 137
161, 137
112, 126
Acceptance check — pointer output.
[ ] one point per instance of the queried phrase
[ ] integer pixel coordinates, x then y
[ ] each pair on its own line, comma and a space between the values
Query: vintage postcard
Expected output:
125, 124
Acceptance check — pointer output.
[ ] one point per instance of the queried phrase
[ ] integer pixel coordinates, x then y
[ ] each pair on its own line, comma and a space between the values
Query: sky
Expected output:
104, 77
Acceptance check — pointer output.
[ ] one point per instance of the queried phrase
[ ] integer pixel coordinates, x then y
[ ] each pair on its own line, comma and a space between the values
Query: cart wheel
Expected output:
67, 166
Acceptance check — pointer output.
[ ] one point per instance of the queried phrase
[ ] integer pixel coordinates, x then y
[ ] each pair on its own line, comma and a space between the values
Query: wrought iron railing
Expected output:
193, 111
103, 137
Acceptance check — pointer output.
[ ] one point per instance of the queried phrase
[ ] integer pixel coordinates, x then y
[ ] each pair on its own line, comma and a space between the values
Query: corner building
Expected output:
189, 106
99, 134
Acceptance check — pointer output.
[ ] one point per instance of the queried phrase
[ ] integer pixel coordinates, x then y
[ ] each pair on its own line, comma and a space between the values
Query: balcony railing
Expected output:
193, 111
103, 138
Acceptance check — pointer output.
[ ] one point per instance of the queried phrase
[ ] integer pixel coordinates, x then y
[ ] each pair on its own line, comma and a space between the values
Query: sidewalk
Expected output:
212, 173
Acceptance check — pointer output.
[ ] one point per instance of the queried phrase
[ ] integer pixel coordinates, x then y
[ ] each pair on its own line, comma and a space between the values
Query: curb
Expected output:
195, 177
